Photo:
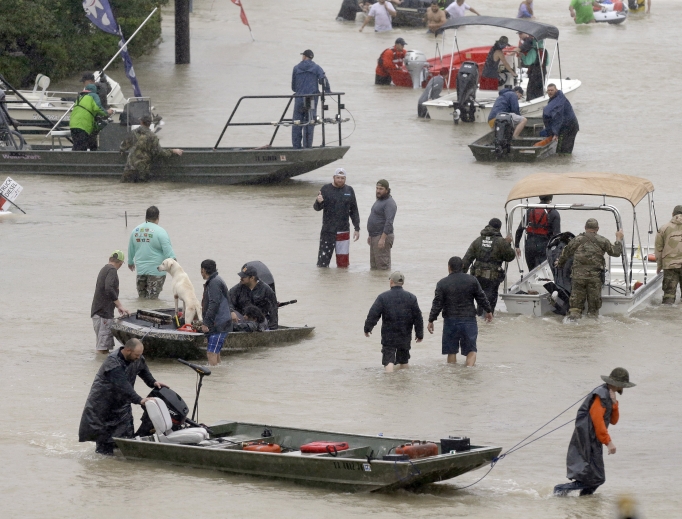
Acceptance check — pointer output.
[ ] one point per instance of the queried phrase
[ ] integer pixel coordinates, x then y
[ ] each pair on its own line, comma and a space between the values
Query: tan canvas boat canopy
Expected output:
632, 189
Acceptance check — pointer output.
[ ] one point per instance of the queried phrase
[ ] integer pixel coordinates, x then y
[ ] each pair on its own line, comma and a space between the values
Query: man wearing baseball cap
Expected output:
104, 301
399, 312
585, 459
390, 61
380, 227
306, 77
490, 77
337, 203
252, 291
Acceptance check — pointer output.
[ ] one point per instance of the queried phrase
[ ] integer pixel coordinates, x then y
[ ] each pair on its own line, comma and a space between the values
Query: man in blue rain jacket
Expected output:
304, 80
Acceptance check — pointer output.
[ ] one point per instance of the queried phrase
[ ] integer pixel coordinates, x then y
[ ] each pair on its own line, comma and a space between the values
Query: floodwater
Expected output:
528, 369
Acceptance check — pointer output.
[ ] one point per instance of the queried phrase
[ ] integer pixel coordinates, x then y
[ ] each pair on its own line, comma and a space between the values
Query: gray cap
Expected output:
397, 277
592, 223
677, 210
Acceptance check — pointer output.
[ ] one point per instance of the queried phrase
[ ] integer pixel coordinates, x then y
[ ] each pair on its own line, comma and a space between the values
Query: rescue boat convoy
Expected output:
518, 90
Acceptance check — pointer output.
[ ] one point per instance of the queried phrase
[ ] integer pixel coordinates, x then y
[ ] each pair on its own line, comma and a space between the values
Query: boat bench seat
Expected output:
160, 417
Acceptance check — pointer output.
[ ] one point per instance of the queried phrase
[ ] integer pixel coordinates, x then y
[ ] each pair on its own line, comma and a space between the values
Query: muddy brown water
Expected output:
528, 370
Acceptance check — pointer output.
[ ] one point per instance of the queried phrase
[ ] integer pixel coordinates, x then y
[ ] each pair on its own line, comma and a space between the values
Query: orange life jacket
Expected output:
538, 222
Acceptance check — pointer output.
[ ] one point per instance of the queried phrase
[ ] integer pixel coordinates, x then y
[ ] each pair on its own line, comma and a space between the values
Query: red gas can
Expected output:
320, 447
262, 447
418, 449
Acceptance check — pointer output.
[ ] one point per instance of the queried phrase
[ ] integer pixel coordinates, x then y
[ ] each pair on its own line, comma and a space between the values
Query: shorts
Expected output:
516, 120
215, 342
105, 339
392, 355
459, 333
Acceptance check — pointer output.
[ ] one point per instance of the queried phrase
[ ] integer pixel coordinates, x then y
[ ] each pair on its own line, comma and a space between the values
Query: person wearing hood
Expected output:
89, 84
585, 458
107, 413
485, 257
306, 77
507, 102
82, 121
561, 124
669, 255
380, 227
490, 77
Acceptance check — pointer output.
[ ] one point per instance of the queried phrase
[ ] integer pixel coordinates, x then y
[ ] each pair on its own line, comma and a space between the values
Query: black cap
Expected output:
248, 272
88, 76
308, 54
400, 41
495, 223
518, 89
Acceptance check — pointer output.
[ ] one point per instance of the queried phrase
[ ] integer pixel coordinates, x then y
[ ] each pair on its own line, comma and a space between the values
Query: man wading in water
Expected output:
585, 460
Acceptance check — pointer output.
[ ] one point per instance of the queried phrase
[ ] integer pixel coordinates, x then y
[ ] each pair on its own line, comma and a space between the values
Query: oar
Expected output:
279, 305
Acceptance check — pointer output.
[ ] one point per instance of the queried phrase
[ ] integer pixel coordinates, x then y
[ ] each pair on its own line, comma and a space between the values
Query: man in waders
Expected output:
541, 225
584, 460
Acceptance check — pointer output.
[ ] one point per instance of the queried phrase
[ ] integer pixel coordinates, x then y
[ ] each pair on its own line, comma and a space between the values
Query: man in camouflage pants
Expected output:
587, 275
142, 147
669, 255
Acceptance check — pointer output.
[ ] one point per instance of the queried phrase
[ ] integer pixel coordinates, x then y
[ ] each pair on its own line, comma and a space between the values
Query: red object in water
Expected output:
418, 450
320, 447
262, 447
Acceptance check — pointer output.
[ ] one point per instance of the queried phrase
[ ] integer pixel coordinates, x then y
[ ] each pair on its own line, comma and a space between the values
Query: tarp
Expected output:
537, 30
632, 189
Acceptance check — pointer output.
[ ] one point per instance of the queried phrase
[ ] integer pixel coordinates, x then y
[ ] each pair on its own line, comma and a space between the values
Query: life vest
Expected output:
538, 222
397, 61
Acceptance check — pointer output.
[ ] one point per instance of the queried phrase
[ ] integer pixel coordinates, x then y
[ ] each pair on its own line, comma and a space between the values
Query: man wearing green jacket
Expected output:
149, 245
82, 121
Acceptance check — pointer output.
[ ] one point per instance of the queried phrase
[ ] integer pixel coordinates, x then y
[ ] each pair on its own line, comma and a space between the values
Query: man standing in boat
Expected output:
107, 413
485, 256
399, 312
587, 275
143, 149
585, 458
305, 79
541, 225
105, 300
669, 255
215, 310
561, 124
337, 203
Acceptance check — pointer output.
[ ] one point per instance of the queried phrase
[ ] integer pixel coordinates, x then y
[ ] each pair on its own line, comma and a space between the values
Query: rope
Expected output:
520, 445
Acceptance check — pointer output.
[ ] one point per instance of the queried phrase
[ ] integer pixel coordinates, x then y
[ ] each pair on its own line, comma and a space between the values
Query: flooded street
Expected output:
528, 369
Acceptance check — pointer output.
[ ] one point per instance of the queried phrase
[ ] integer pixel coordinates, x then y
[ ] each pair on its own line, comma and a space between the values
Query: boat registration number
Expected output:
352, 465
271, 158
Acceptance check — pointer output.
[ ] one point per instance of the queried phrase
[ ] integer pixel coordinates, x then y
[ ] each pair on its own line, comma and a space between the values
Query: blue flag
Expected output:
99, 13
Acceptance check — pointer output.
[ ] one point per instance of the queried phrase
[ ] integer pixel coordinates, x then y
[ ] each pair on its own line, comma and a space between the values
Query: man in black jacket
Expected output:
337, 201
455, 297
252, 291
107, 413
215, 309
399, 312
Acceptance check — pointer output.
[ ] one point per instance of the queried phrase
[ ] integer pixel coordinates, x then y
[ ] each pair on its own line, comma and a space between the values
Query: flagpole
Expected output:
129, 39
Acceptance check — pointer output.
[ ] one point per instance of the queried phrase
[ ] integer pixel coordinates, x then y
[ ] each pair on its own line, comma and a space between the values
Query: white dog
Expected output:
182, 289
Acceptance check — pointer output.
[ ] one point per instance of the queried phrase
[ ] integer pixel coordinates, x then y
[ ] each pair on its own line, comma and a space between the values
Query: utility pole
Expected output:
182, 32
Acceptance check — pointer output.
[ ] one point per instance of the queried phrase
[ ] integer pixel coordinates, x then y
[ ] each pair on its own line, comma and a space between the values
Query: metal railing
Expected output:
310, 101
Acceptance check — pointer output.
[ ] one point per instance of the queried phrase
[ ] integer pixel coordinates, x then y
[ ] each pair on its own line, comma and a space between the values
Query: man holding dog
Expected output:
215, 308
149, 245
252, 291
104, 302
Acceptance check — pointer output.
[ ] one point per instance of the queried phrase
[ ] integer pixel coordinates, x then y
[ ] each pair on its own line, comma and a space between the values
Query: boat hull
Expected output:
196, 165
523, 149
348, 471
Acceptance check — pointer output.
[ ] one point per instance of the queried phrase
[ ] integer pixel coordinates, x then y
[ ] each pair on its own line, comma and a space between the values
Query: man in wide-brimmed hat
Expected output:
584, 460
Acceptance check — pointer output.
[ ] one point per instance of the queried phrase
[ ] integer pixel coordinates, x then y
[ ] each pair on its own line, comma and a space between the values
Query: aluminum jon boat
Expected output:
631, 281
360, 466
529, 146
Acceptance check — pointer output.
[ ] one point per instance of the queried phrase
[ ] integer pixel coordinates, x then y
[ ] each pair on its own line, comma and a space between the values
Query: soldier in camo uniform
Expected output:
143, 148
587, 276
669, 255
487, 253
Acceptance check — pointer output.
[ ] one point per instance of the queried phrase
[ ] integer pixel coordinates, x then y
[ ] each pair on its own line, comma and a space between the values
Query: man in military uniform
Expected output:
487, 253
142, 147
669, 255
587, 250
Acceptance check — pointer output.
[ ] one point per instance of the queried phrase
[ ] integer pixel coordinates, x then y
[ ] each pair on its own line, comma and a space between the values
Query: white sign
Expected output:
9, 190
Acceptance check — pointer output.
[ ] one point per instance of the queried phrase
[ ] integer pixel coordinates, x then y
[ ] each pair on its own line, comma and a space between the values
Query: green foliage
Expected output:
54, 37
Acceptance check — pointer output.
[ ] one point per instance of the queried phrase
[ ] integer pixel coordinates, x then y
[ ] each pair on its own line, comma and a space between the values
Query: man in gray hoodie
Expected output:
380, 227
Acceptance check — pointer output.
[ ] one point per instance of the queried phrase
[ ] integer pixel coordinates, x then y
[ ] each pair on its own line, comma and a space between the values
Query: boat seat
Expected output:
160, 417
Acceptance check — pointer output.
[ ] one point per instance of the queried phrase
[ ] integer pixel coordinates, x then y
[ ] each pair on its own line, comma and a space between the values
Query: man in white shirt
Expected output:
382, 12
459, 8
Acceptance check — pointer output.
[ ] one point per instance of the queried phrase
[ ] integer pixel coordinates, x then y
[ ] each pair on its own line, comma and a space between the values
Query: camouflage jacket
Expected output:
588, 251
487, 253
142, 147
669, 244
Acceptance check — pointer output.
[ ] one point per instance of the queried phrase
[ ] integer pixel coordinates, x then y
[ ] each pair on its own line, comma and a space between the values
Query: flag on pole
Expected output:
242, 15
100, 14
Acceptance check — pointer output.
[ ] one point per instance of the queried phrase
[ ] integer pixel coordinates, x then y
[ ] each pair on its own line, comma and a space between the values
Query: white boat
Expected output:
613, 14
631, 281
449, 107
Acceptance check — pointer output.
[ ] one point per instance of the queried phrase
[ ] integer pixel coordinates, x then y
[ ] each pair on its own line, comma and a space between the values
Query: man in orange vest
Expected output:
541, 225
390, 61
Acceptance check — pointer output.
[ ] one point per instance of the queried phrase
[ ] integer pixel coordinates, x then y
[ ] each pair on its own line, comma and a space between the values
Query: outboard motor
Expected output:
561, 287
467, 83
432, 91
417, 66
503, 132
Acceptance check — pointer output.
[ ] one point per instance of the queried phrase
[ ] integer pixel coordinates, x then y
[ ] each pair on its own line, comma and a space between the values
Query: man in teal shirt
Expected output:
149, 245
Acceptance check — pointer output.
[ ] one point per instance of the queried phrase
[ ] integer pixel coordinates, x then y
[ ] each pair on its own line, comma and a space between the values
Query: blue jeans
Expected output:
303, 132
